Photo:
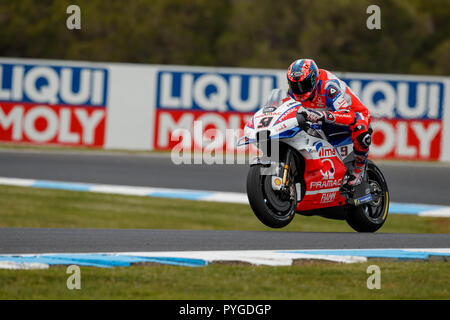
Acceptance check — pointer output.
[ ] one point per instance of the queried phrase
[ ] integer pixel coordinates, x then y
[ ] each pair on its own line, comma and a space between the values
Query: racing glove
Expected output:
312, 115
342, 118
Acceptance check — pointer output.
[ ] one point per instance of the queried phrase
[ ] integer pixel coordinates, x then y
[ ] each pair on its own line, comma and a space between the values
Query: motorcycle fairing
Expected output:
324, 166
324, 173
280, 121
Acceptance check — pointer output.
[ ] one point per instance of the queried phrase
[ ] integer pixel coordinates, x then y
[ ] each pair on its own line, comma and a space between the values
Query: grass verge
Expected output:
44, 208
406, 280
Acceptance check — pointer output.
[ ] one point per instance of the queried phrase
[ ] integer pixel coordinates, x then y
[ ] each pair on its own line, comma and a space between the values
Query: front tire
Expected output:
371, 216
268, 206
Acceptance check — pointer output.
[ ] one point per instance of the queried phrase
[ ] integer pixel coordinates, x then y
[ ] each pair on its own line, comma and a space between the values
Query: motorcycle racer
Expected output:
328, 99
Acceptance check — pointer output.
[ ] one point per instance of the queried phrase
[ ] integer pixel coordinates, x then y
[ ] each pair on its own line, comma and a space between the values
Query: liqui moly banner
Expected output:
408, 111
146, 107
407, 115
52, 104
205, 103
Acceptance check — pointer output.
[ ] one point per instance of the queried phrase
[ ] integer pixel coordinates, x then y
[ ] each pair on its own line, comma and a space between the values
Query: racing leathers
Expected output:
332, 101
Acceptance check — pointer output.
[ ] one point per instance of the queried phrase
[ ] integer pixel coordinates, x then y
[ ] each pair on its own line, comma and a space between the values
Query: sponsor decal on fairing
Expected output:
328, 197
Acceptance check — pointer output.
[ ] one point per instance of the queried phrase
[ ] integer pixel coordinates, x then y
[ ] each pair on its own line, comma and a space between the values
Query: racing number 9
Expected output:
264, 122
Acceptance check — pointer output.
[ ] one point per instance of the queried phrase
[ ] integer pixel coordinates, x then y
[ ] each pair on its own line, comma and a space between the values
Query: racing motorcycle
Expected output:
303, 167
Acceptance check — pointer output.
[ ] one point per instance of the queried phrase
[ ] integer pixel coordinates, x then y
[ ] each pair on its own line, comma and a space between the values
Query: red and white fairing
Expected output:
324, 167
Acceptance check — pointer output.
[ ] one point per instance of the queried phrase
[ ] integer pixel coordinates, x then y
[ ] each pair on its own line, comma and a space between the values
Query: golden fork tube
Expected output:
286, 167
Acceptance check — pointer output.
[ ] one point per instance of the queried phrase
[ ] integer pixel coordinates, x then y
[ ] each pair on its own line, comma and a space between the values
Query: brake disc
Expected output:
276, 198
376, 192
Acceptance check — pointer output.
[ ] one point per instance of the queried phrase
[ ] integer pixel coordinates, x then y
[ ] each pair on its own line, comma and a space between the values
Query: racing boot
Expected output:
358, 172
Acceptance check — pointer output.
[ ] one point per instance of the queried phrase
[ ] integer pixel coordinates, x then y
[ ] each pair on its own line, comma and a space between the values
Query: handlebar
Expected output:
302, 123
305, 126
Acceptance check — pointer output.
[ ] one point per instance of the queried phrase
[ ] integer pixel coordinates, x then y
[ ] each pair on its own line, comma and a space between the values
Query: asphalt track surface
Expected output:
408, 182
23, 241
413, 183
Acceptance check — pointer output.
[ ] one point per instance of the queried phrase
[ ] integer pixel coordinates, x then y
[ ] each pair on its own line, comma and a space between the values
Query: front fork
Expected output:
279, 174
281, 178
287, 163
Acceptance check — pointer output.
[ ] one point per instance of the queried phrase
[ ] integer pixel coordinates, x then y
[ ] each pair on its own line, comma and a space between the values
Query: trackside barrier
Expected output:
147, 107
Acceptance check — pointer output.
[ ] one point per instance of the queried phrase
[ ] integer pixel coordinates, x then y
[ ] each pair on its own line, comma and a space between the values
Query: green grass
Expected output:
406, 280
43, 208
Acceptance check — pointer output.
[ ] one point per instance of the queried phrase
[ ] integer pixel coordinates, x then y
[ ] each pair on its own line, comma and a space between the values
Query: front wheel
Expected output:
273, 208
371, 216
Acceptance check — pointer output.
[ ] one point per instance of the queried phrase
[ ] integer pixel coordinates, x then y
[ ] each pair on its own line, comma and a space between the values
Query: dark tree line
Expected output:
414, 35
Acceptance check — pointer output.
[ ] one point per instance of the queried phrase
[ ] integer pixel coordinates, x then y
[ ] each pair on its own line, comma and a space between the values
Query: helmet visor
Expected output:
301, 87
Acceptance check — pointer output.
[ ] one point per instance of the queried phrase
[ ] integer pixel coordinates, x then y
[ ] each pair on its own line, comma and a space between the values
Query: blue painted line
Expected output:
52, 261
187, 195
374, 253
110, 260
411, 208
61, 185
177, 261
102, 260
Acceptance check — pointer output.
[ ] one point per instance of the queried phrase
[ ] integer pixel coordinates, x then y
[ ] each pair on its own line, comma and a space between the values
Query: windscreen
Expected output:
274, 100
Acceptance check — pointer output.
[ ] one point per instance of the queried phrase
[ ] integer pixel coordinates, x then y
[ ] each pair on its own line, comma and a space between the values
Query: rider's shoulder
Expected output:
325, 75
327, 78
329, 81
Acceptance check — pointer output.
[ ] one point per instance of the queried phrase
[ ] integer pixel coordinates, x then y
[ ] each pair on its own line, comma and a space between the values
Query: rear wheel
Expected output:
371, 216
274, 208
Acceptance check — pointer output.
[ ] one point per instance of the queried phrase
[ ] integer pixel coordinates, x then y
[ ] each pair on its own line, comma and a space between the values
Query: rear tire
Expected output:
371, 216
268, 208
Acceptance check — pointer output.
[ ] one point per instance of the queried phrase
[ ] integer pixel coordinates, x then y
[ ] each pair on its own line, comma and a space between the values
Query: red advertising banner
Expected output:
62, 105
219, 131
406, 139
43, 124
406, 113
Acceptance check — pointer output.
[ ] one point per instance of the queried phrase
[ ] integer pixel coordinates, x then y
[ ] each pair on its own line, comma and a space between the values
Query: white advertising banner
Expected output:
140, 107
